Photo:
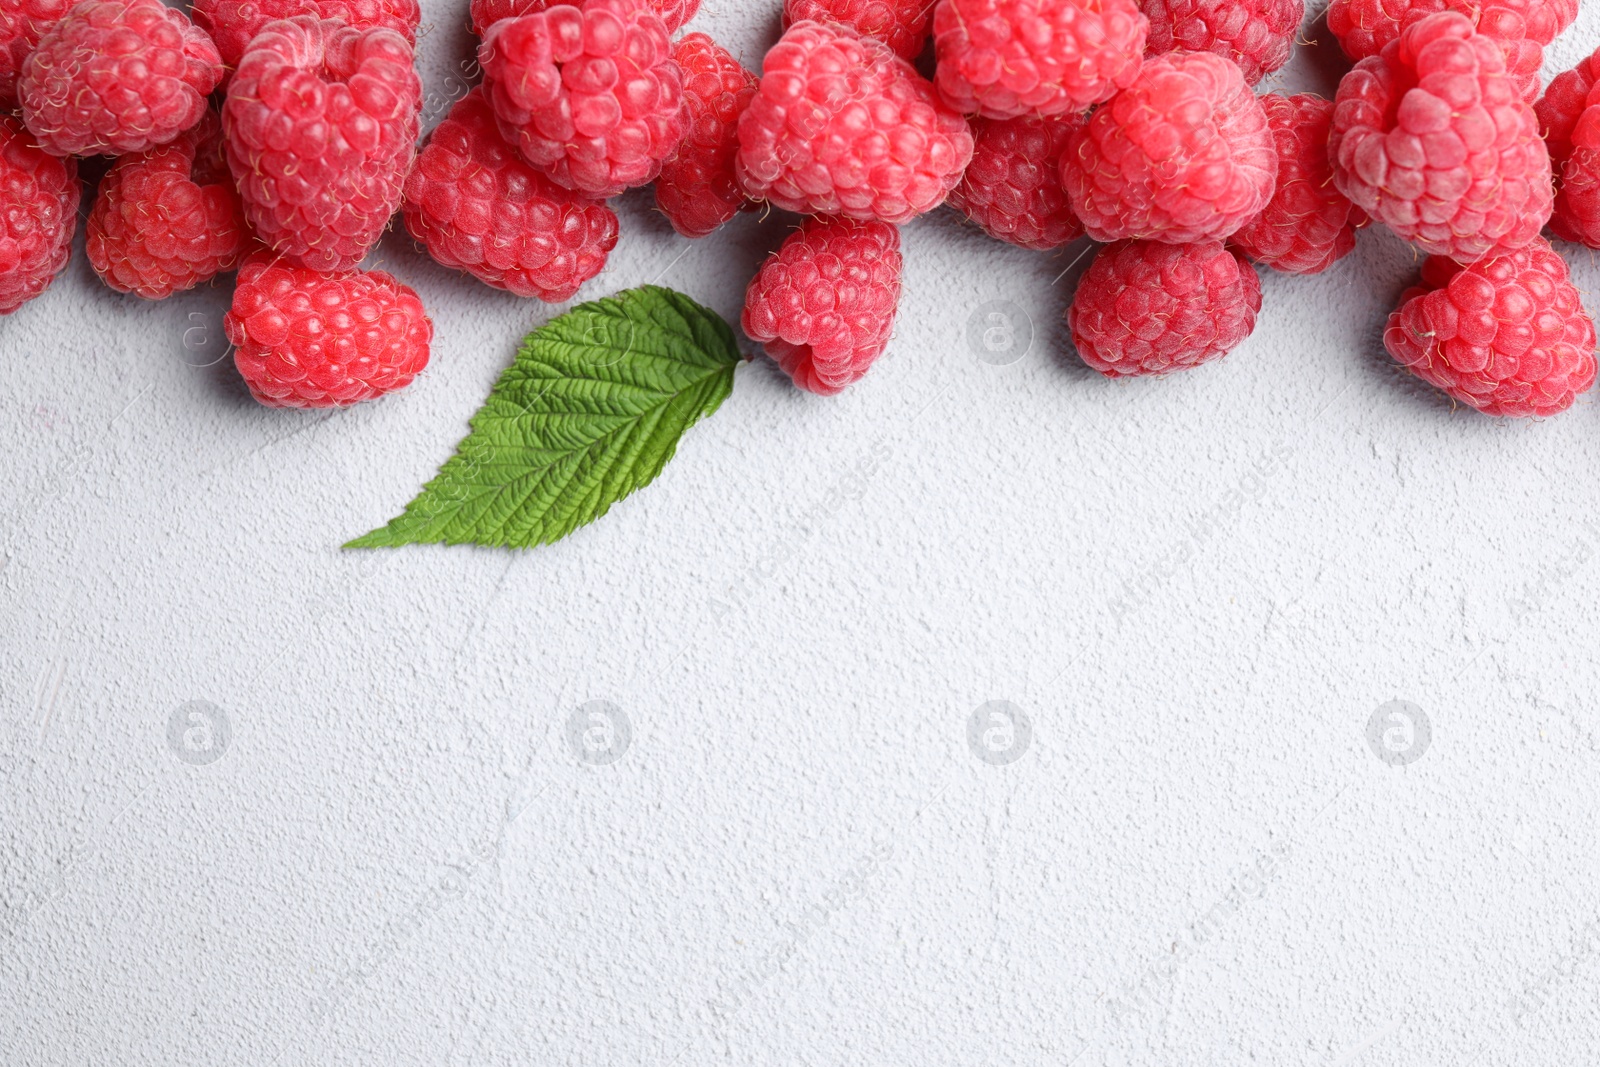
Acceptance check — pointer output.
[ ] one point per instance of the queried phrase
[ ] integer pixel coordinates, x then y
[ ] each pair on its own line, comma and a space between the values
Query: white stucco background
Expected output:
1197, 590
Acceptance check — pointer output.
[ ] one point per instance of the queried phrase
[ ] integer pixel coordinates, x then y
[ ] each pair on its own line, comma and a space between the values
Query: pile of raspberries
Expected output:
278, 139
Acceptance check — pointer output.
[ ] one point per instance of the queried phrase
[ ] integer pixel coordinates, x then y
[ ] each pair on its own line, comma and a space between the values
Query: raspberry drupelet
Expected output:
485, 13
22, 23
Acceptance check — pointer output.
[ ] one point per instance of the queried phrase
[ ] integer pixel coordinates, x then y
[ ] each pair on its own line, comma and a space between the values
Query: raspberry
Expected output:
1308, 225
1364, 27
38, 212
1520, 27
22, 23
1563, 105
900, 24
1144, 307
589, 94
843, 126
824, 304
1256, 34
485, 13
321, 127
698, 189
306, 339
1507, 335
232, 24
1432, 139
1006, 58
117, 76
168, 219
1012, 187
479, 208
1569, 113
1183, 154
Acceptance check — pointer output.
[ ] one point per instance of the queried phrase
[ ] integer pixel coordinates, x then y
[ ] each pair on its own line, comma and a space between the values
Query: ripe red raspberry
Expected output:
117, 76
233, 23
1433, 139
1256, 34
1309, 224
1569, 113
698, 189
321, 127
1006, 58
843, 126
1364, 27
1520, 27
823, 305
485, 13
479, 208
900, 24
589, 94
1012, 187
1144, 307
1507, 335
22, 23
168, 219
307, 339
1183, 154
38, 212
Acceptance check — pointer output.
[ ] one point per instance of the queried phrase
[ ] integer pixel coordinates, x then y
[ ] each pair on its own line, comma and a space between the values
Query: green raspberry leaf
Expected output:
591, 410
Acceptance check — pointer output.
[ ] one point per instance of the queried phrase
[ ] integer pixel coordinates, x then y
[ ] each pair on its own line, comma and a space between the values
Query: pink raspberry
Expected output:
1507, 335
824, 304
1521, 28
1003, 59
589, 94
233, 23
1182, 154
1144, 307
900, 24
38, 213
321, 127
1309, 224
1256, 34
1012, 187
306, 339
843, 126
1569, 113
168, 219
1433, 139
698, 190
117, 76
479, 208
22, 23
485, 13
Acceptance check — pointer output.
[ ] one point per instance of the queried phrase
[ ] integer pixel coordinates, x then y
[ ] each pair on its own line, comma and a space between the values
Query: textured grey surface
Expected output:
1198, 591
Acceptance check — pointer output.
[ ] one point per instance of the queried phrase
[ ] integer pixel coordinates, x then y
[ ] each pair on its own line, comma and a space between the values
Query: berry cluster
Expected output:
1134, 122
